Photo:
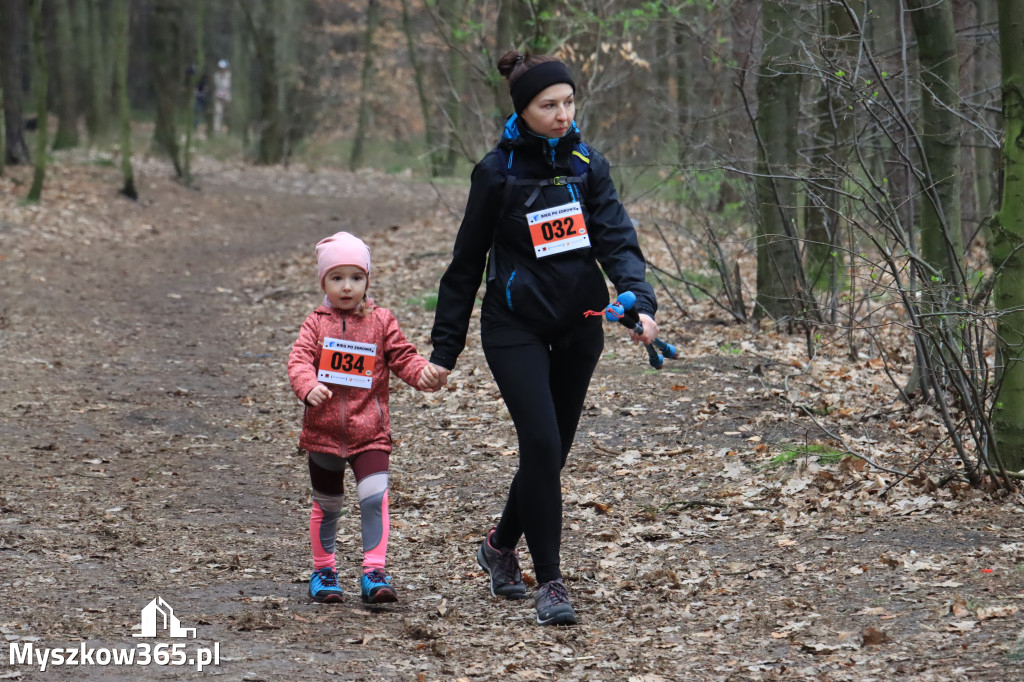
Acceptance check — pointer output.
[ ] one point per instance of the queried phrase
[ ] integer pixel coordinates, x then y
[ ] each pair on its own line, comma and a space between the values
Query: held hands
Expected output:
318, 395
432, 378
650, 330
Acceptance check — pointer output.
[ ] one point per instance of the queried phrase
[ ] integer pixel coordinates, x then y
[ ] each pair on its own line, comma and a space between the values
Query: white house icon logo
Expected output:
171, 624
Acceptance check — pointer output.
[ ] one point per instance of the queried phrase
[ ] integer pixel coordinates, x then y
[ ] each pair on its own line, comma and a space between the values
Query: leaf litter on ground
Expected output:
689, 555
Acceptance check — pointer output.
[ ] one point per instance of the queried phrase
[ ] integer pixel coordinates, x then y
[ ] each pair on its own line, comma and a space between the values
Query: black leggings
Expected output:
543, 383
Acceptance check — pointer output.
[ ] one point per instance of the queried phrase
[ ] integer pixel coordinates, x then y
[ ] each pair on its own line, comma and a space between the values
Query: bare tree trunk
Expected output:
890, 37
1006, 253
83, 59
504, 40
271, 148
455, 111
832, 143
941, 241
726, 134
433, 153
986, 76
781, 290
355, 159
965, 24
451, 12
240, 113
940, 226
168, 74
504, 27
264, 20
66, 92
121, 15
12, 42
40, 83
683, 77
198, 8
296, 104
99, 86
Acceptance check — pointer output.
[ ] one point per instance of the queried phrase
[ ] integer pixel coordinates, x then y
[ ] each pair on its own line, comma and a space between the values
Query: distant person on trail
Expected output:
339, 368
202, 95
221, 94
543, 219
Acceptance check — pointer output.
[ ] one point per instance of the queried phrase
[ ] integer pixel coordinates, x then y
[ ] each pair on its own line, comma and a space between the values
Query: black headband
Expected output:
535, 79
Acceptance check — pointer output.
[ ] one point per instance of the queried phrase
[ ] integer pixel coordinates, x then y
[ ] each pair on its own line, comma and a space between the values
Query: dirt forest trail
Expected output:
147, 443
133, 355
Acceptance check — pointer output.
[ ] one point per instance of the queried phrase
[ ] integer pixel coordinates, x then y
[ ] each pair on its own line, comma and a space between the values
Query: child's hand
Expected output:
432, 378
318, 395
429, 381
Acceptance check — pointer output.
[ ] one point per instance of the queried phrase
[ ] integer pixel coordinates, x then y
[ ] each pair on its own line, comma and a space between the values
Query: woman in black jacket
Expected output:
544, 218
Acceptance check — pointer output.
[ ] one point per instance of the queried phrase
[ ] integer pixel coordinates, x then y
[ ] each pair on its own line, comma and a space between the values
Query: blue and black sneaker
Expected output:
323, 586
376, 588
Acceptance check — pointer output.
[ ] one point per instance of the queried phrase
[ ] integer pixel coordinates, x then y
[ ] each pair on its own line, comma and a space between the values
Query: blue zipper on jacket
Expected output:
508, 290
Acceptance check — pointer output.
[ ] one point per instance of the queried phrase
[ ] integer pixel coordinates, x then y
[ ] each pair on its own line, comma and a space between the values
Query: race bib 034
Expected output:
347, 363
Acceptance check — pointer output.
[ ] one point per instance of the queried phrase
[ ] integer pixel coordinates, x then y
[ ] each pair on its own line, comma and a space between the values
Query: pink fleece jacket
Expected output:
354, 419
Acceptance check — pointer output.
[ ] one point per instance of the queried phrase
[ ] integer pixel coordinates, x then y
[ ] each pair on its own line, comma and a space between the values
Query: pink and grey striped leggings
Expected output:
327, 475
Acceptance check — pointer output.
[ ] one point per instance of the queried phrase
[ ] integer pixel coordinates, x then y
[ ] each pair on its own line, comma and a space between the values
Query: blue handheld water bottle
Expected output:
622, 312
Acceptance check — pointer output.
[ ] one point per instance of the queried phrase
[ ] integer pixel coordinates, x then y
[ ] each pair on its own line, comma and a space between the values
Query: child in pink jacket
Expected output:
339, 368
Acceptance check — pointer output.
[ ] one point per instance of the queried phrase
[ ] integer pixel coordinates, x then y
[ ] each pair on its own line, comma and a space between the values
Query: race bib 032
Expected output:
558, 229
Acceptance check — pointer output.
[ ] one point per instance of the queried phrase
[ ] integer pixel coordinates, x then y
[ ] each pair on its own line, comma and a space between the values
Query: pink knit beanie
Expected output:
341, 248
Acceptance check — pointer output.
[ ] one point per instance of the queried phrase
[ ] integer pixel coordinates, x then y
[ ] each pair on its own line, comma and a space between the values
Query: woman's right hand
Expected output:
650, 330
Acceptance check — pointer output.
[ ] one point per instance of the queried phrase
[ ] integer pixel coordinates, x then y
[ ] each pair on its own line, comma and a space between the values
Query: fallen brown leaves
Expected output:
712, 530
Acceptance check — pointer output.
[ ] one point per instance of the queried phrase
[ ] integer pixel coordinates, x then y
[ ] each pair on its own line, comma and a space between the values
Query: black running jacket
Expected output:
546, 294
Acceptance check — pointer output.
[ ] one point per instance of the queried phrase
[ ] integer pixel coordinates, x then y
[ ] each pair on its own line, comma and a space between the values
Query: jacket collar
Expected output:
328, 309
517, 136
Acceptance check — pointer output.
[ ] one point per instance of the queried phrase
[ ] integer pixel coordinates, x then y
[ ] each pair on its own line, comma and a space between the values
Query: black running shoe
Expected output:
553, 607
503, 567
